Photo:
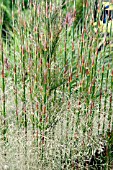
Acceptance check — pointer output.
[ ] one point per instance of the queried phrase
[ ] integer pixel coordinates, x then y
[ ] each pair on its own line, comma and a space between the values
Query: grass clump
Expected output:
56, 88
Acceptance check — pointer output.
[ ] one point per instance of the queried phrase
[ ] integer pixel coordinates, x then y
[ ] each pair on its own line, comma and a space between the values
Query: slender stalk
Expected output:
105, 100
15, 67
23, 59
15, 83
3, 92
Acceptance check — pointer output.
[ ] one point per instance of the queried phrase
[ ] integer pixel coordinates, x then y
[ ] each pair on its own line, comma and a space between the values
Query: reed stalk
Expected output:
23, 60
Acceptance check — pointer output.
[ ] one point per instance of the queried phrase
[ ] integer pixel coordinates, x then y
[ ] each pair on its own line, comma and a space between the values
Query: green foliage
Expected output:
79, 11
5, 7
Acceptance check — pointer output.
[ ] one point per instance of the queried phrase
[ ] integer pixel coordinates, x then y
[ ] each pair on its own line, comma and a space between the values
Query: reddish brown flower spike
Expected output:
111, 98
37, 106
43, 140
41, 119
92, 62
69, 104
22, 50
3, 76
103, 69
73, 46
87, 72
31, 90
70, 78
44, 109
7, 65
74, 14
83, 61
112, 73
15, 69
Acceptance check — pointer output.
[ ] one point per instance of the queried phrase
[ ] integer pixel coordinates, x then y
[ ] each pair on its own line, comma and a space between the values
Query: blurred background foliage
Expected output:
6, 8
